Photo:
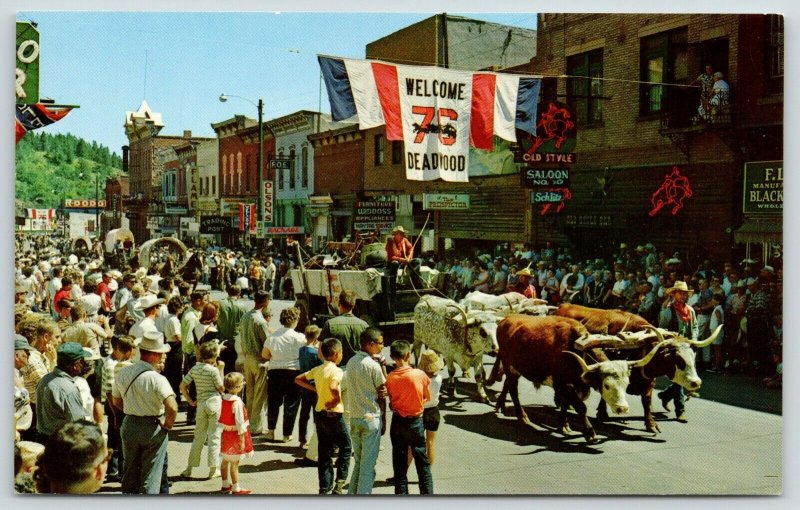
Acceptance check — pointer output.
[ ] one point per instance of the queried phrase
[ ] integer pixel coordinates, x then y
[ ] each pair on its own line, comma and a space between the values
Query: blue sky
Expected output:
107, 62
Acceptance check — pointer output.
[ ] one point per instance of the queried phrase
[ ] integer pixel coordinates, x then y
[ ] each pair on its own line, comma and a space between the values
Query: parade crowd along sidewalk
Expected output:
106, 351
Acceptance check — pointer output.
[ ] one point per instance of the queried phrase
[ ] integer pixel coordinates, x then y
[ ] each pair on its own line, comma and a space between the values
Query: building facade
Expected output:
638, 126
294, 186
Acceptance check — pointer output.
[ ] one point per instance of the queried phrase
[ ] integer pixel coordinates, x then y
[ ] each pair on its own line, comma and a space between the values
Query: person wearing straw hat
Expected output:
150, 407
523, 285
400, 252
149, 305
431, 364
678, 316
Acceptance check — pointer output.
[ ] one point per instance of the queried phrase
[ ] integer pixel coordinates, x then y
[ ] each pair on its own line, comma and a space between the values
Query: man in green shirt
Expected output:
58, 399
231, 311
346, 327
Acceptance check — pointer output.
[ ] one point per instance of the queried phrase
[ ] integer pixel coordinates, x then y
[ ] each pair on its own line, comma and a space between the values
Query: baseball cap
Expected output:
21, 343
70, 352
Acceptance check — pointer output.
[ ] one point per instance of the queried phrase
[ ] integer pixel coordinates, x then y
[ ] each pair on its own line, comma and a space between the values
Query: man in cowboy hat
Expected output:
523, 285
399, 251
149, 304
150, 407
680, 317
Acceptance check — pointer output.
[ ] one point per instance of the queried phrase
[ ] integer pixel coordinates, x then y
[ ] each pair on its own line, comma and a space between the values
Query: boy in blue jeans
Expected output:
331, 429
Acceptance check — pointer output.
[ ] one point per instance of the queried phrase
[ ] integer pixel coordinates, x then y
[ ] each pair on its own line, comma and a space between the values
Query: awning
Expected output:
760, 231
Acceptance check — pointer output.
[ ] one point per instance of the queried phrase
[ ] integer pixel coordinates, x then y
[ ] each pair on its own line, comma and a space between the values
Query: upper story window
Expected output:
664, 59
774, 54
280, 172
292, 171
397, 152
304, 175
378, 150
248, 161
213, 185
584, 94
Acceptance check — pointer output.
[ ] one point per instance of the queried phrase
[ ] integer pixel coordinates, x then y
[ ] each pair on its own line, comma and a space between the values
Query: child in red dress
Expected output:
236, 440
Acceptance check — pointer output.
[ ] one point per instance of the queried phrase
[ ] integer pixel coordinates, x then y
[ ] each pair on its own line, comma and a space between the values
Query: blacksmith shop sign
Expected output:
445, 201
763, 187
545, 177
554, 143
374, 215
215, 224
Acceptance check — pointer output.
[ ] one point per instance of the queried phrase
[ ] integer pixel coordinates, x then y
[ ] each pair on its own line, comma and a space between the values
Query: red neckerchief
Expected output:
683, 311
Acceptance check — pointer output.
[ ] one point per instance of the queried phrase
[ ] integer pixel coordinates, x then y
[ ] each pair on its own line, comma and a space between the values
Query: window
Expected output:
248, 161
280, 172
213, 185
305, 167
292, 171
775, 45
378, 150
397, 152
583, 94
225, 173
664, 59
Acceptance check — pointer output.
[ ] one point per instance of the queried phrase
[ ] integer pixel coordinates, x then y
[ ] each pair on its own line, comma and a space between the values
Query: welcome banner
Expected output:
437, 113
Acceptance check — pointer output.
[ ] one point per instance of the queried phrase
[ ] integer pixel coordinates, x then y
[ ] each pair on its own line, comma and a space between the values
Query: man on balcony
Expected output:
719, 98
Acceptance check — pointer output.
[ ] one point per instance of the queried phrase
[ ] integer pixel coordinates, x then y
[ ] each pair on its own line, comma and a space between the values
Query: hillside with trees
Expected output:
50, 168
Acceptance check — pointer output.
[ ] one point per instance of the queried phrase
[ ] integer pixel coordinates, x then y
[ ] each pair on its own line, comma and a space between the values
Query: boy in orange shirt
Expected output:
408, 391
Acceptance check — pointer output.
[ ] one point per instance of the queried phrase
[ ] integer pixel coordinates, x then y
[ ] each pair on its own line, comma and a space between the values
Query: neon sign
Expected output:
673, 191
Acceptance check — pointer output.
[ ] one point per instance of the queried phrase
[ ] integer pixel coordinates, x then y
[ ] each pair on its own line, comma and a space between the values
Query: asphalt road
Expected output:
732, 445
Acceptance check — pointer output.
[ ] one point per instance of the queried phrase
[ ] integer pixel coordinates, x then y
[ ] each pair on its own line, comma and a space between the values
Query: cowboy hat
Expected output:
148, 301
398, 228
679, 285
673, 261
430, 362
153, 341
524, 272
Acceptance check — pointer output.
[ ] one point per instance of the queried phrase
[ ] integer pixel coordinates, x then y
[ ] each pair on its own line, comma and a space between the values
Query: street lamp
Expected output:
223, 98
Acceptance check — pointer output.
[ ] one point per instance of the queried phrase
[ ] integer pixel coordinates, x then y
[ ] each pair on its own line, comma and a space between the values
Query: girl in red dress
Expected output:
236, 440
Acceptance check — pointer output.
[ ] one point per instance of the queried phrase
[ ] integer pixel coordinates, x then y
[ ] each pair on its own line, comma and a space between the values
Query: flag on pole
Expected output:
34, 116
247, 218
438, 113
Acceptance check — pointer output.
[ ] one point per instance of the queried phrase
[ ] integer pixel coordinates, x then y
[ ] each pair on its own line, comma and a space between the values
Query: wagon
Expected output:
317, 291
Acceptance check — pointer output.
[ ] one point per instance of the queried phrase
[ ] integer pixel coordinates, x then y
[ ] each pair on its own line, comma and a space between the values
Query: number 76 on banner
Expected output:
446, 132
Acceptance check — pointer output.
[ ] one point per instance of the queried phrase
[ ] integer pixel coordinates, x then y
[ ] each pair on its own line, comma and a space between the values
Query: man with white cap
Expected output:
150, 407
679, 317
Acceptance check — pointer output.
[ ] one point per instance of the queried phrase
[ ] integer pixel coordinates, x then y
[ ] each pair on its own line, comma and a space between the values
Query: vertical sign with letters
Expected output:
27, 71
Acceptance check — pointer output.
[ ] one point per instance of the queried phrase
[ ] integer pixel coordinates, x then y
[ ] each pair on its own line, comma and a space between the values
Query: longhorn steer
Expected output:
608, 322
462, 337
675, 360
505, 304
539, 349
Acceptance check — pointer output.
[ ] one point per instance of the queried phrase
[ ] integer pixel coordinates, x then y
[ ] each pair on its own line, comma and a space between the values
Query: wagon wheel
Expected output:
302, 304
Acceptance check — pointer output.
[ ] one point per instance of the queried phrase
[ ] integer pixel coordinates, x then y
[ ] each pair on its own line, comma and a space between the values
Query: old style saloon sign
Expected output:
763, 187
555, 139
545, 177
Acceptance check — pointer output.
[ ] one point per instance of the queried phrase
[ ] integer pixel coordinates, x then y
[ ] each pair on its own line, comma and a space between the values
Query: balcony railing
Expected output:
680, 110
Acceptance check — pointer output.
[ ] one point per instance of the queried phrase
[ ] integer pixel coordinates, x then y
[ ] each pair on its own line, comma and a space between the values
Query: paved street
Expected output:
725, 449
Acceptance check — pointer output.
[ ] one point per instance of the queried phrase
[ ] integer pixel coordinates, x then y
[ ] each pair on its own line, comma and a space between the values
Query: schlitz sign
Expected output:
545, 177
554, 143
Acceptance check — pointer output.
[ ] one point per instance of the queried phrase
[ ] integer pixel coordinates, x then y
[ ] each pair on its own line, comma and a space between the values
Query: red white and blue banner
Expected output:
438, 113
247, 218
34, 116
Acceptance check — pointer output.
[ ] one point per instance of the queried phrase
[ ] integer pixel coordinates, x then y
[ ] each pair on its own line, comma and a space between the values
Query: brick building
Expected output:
238, 163
637, 121
147, 157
